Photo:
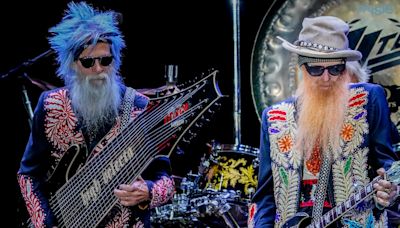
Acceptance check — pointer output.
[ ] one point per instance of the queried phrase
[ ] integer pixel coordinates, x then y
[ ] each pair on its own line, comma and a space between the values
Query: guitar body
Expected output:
299, 220
73, 159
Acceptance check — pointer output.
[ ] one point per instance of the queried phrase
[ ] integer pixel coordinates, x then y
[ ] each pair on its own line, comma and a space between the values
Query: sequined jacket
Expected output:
366, 146
55, 128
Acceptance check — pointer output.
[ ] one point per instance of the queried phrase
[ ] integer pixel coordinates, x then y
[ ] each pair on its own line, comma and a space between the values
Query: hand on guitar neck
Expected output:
386, 192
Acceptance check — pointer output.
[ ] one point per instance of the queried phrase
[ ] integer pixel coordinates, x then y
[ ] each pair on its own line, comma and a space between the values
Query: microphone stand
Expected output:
26, 64
236, 72
20, 71
27, 104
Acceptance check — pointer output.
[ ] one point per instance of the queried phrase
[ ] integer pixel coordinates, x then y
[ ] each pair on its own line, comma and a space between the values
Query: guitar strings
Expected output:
140, 172
93, 169
333, 213
104, 153
113, 155
149, 148
107, 155
128, 166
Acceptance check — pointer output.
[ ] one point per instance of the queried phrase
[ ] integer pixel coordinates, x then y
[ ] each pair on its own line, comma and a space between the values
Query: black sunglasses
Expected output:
88, 62
334, 70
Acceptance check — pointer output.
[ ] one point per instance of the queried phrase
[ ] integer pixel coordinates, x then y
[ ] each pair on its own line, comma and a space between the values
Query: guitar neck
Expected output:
86, 198
341, 209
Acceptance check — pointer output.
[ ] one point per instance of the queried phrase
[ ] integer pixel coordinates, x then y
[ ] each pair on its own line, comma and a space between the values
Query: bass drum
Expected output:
233, 167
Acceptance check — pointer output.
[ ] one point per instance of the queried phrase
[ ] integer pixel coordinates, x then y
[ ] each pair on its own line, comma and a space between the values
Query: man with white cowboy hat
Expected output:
331, 139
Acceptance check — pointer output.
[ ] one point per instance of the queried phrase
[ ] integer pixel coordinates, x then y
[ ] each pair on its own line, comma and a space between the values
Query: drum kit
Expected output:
218, 195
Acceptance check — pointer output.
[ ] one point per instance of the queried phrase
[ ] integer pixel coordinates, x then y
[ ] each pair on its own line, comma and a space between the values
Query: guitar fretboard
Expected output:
338, 211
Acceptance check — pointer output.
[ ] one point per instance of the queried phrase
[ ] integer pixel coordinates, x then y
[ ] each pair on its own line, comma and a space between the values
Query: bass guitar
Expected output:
84, 194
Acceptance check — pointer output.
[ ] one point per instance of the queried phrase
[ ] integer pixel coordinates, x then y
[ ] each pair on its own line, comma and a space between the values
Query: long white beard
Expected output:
95, 102
320, 115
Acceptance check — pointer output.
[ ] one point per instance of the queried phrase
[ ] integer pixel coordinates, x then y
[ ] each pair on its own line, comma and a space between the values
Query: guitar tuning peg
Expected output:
210, 111
203, 118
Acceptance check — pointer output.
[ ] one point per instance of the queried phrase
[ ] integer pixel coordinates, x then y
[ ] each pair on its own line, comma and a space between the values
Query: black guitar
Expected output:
84, 193
302, 219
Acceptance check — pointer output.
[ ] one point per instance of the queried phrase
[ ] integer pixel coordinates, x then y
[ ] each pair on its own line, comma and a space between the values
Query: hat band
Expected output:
316, 46
304, 59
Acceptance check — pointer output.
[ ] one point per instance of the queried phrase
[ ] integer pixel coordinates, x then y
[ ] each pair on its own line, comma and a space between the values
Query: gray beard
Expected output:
96, 105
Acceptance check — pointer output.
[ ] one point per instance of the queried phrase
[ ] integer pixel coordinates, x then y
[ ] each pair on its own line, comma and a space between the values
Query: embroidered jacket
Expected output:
55, 128
366, 146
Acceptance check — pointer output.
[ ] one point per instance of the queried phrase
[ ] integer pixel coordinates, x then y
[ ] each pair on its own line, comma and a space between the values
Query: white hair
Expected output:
358, 72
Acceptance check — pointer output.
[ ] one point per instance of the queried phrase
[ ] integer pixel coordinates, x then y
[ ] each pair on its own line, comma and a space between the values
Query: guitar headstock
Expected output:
174, 88
197, 77
180, 115
393, 174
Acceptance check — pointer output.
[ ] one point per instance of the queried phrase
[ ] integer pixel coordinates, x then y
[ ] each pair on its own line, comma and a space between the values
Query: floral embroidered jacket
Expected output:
366, 146
55, 128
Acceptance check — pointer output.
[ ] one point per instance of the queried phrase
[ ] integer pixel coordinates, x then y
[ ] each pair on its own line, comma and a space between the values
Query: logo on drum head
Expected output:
235, 168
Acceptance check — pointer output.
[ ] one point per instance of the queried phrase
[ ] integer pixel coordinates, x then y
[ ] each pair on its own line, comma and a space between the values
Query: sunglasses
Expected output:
334, 70
88, 62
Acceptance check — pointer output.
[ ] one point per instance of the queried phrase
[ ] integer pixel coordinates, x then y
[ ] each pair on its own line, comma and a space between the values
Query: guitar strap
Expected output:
322, 185
127, 105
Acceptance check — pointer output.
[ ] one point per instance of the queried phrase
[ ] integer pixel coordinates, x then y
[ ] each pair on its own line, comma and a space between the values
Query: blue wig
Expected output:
82, 25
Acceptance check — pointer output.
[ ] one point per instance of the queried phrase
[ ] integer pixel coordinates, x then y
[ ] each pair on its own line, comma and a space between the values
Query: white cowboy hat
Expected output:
323, 37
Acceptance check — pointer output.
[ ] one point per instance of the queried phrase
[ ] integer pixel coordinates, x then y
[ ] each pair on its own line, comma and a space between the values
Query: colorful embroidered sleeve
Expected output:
160, 184
32, 172
262, 209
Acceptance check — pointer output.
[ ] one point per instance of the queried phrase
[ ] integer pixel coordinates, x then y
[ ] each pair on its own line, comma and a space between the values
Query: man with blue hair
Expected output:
90, 111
